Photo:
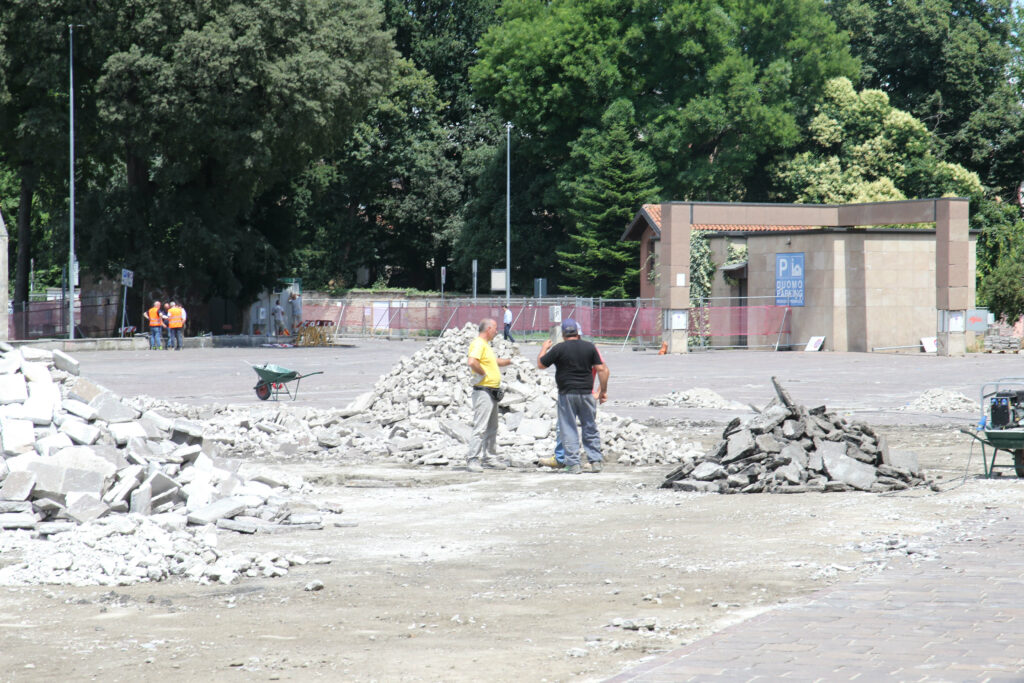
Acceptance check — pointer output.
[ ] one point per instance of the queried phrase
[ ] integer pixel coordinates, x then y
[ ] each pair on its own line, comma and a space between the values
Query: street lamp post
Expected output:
71, 183
508, 212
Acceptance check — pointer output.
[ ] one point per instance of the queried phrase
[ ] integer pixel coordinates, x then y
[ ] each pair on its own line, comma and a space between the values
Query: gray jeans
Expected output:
485, 426
581, 407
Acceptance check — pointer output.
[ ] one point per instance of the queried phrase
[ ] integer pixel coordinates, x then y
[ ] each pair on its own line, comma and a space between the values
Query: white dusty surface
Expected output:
516, 575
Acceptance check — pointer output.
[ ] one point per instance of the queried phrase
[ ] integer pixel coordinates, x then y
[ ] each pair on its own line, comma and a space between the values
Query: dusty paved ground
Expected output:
445, 575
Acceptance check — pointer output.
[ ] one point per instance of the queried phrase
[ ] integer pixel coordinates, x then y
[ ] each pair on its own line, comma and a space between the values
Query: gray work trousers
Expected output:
581, 408
485, 426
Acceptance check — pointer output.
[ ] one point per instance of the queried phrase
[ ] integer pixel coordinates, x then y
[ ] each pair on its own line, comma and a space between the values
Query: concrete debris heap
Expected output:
421, 412
698, 397
787, 448
942, 401
73, 453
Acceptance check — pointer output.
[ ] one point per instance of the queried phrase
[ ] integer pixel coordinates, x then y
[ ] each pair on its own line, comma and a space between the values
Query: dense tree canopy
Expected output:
222, 145
862, 149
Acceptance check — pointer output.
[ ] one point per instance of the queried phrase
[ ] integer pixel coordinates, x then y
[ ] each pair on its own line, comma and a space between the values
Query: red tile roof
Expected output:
654, 211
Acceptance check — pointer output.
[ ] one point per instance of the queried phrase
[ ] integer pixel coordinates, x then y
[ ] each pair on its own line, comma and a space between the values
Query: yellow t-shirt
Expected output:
482, 351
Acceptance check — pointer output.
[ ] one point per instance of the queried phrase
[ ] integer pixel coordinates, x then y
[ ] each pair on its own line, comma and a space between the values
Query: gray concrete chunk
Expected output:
218, 509
82, 410
13, 389
18, 520
110, 408
794, 453
841, 467
706, 471
63, 361
85, 507
16, 436
121, 432
18, 486
741, 444
142, 500
85, 391
80, 432
902, 460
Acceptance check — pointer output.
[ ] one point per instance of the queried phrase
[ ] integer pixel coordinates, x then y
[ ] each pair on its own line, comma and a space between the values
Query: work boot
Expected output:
490, 464
549, 462
596, 466
474, 466
572, 469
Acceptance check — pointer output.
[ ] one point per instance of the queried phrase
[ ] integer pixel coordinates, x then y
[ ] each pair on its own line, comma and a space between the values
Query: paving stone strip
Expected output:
788, 448
956, 619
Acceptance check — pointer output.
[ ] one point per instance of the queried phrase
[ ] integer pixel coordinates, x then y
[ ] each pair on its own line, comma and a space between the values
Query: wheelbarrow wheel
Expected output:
1018, 462
263, 391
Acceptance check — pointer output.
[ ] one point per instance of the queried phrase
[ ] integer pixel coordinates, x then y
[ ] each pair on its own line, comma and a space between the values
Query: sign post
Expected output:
444, 273
127, 277
789, 279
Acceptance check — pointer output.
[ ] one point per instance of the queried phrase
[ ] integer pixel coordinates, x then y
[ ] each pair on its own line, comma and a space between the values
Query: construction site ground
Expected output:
445, 575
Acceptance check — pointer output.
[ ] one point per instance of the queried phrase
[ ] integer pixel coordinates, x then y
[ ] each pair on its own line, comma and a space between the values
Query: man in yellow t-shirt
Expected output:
486, 381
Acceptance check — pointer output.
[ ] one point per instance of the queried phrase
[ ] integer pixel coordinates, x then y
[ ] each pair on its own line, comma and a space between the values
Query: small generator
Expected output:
1006, 409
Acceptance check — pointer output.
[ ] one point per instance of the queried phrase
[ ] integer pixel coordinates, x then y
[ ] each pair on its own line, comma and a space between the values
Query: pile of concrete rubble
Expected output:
419, 414
698, 397
942, 401
787, 448
423, 407
73, 453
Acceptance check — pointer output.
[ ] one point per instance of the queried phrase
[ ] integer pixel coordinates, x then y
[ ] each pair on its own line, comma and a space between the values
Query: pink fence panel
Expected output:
727, 321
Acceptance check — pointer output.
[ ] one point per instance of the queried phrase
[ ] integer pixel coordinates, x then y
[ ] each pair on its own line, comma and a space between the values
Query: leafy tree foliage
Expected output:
947, 63
1003, 290
862, 149
211, 110
391, 188
617, 177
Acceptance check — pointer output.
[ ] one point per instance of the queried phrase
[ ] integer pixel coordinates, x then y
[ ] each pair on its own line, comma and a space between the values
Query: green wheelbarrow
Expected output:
273, 379
1010, 441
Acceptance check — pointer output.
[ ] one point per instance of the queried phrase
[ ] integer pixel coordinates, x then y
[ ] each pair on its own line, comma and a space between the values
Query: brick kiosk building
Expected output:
860, 286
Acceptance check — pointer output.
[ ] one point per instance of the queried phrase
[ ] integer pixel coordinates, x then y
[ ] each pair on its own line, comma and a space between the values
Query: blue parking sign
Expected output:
789, 279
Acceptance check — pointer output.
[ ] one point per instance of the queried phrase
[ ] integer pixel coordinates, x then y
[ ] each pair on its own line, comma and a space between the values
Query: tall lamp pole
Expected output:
71, 184
508, 212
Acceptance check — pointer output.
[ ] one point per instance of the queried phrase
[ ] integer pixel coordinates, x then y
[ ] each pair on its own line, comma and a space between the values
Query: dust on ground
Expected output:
505, 576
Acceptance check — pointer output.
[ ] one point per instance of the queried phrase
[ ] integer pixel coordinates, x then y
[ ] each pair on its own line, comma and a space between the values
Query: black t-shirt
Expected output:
573, 361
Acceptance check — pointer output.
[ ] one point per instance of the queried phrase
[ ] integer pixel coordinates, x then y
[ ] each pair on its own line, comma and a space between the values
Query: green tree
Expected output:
34, 61
1003, 290
391, 188
860, 149
211, 111
949, 64
617, 177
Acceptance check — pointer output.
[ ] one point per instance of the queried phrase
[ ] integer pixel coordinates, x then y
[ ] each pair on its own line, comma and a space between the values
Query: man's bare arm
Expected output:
474, 365
603, 373
543, 349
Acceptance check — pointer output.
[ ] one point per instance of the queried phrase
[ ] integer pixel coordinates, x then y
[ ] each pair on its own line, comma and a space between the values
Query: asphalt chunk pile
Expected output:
787, 448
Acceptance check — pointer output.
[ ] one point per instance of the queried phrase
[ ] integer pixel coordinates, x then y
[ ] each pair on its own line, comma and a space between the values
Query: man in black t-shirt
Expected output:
575, 361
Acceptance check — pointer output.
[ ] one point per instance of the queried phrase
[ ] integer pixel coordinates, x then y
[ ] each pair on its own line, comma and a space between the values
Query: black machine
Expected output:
1006, 409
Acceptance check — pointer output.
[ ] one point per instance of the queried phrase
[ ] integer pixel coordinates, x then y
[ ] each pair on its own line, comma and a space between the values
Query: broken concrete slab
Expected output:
82, 410
18, 486
219, 509
16, 436
121, 432
841, 467
111, 409
80, 432
13, 389
63, 361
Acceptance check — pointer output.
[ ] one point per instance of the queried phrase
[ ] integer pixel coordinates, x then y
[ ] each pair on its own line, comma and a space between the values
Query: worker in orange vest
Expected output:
155, 326
175, 325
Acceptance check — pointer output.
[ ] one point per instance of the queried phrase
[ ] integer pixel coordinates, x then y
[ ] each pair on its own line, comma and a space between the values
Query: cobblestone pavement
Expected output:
957, 618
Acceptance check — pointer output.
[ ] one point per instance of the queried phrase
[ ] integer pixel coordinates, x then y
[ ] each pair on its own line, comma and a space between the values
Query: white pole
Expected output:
71, 182
508, 211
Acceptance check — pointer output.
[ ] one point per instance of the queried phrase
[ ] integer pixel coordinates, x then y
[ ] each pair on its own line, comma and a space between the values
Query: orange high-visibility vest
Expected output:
154, 317
175, 318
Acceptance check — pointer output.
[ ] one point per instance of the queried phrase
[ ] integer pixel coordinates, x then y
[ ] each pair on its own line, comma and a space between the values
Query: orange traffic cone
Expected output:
664, 349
